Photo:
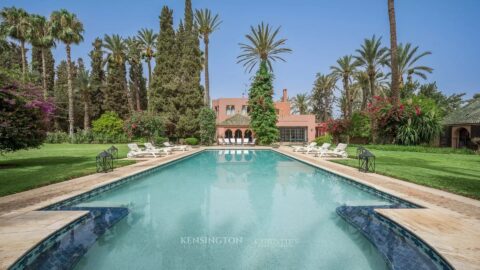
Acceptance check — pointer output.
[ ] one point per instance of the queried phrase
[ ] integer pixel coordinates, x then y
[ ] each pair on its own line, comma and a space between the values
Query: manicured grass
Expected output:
51, 163
457, 173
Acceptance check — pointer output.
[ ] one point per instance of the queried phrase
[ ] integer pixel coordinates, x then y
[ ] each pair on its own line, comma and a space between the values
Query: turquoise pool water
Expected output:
234, 210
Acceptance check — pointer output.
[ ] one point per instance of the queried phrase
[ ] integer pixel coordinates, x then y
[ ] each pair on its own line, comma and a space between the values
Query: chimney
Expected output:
285, 96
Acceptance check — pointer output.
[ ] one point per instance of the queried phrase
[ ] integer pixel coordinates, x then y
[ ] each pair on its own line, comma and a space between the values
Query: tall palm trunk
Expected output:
86, 116
395, 91
137, 97
207, 76
149, 65
24, 60
348, 111
70, 92
373, 93
44, 75
364, 97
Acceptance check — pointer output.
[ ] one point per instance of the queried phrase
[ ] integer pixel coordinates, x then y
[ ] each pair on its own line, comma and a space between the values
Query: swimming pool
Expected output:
226, 209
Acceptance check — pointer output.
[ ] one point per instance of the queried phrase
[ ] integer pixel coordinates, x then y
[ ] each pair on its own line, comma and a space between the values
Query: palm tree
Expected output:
41, 36
263, 47
148, 41
371, 57
117, 54
322, 96
346, 67
206, 26
362, 81
301, 103
16, 24
67, 28
407, 59
395, 88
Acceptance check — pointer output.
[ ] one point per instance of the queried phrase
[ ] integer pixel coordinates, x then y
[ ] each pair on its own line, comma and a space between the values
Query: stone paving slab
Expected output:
449, 223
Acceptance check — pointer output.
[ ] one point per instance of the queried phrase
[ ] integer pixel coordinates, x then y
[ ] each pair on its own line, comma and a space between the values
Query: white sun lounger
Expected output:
304, 148
318, 150
339, 151
176, 147
221, 141
252, 142
245, 141
135, 151
232, 141
151, 147
239, 141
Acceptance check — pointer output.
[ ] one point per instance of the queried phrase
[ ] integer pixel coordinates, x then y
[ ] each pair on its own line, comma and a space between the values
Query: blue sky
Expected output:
318, 32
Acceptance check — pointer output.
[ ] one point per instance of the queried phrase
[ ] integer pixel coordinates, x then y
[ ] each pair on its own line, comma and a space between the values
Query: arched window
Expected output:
248, 135
228, 134
238, 134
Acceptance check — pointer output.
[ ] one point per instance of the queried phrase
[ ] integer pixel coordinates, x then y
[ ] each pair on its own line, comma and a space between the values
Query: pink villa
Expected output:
233, 121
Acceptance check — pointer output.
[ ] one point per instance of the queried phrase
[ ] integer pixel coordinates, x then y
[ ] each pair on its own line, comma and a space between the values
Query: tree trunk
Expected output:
44, 75
364, 98
207, 76
149, 105
373, 121
70, 93
24, 61
137, 93
86, 116
348, 104
395, 91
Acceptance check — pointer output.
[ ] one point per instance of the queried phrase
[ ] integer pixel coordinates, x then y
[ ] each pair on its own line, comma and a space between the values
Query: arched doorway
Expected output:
238, 134
463, 137
228, 134
248, 135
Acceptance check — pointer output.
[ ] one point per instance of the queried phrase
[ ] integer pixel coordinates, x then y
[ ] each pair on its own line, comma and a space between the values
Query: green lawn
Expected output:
453, 172
49, 164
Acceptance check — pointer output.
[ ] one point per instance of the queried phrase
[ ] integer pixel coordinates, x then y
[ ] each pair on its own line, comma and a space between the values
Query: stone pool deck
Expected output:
449, 223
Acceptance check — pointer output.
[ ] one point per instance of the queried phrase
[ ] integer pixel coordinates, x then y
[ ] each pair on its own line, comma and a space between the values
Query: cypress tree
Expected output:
50, 66
191, 95
115, 99
137, 82
36, 61
263, 119
61, 96
97, 78
165, 80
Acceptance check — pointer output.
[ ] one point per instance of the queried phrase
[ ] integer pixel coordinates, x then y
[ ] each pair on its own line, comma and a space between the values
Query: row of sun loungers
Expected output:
237, 141
324, 150
151, 151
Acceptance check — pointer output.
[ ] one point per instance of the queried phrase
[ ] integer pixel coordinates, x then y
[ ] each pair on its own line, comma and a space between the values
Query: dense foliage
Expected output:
146, 125
207, 120
263, 119
191, 141
109, 125
24, 118
413, 121
327, 138
360, 125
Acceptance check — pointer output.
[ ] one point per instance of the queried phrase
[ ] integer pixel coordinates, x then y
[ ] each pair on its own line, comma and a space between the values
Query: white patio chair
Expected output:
232, 141
238, 141
245, 141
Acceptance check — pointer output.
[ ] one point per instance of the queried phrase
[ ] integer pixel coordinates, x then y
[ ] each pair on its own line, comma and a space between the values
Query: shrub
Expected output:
109, 125
207, 120
57, 137
327, 138
191, 141
360, 125
337, 128
159, 140
412, 122
23, 118
144, 125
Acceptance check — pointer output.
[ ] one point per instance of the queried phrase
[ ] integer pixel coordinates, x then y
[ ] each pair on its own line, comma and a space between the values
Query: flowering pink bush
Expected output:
24, 117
